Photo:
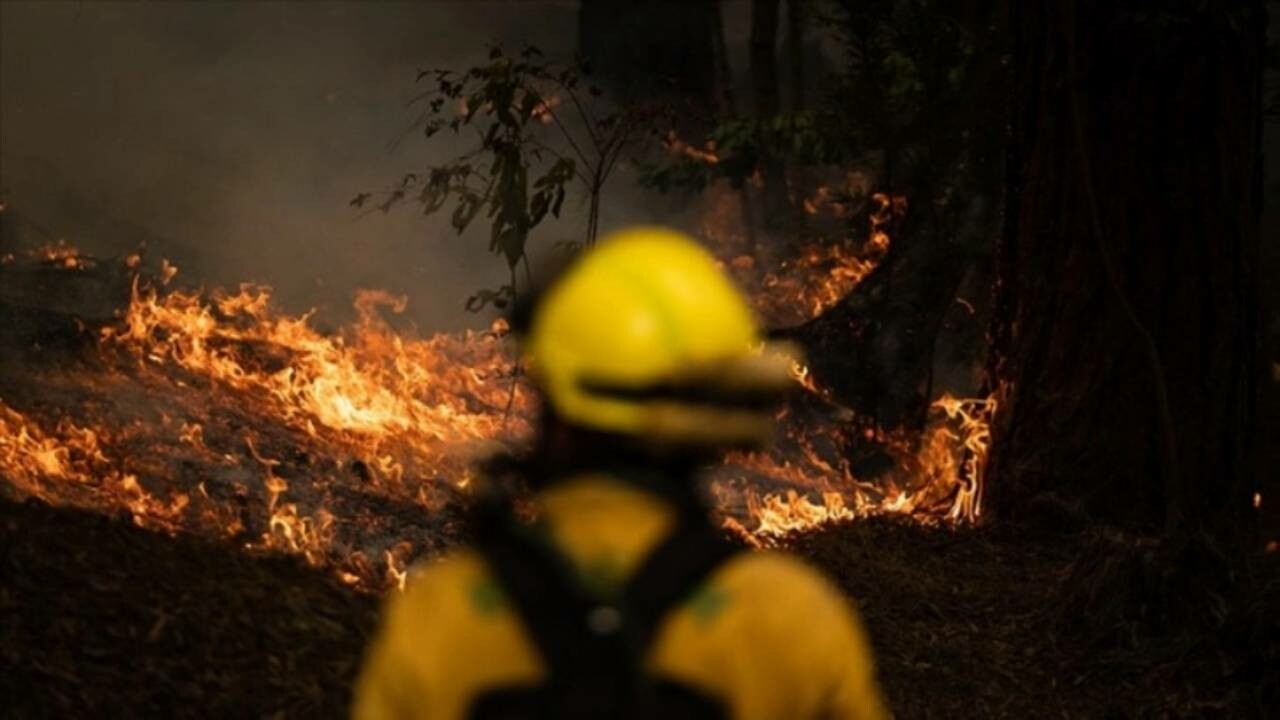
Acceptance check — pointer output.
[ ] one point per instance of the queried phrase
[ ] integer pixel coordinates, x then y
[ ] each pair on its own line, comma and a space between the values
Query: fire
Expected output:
396, 573
73, 458
800, 373
216, 413
810, 283
938, 479
61, 254
28, 454
975, 417
705, 154
886, 209
807, 286
219, 414
368, 386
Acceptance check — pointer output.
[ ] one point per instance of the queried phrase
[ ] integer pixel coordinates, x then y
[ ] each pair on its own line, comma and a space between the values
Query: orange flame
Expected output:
404, 414
62, 255
705, 154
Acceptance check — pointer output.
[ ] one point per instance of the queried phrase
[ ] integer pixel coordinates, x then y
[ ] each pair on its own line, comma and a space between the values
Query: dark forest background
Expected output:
1089, 235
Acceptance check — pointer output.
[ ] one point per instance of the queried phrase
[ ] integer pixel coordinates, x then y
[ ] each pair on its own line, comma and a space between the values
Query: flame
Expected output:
809, 285
974, 416
819, 275
396, 573
800, 373
73, 457
370, 385
705, 154
218, 413
938, 479
262, 422
61, 254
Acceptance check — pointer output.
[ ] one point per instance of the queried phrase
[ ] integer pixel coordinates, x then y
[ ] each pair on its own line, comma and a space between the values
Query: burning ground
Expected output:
204, 497
213, 413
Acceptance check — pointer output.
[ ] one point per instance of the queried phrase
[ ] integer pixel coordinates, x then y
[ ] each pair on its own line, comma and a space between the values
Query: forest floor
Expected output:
98, 617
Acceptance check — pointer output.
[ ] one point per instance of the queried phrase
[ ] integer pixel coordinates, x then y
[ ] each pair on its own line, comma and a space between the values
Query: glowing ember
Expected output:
706, 154
60, 254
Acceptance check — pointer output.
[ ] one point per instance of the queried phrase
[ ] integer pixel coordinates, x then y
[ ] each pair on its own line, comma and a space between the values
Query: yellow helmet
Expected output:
645, 336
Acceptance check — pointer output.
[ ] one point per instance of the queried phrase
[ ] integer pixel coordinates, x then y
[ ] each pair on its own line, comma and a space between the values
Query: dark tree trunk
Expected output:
763, 60
644, 50
778, 213
796, 52
1125, 336
726, 95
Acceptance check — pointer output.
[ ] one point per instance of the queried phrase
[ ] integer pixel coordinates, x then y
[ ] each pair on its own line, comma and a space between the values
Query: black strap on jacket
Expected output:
594, 648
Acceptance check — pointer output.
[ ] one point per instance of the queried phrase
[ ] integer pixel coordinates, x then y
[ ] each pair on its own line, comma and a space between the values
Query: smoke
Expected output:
230, 137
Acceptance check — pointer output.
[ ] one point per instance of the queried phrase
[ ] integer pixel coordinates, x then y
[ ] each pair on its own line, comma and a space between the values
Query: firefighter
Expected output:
619, 599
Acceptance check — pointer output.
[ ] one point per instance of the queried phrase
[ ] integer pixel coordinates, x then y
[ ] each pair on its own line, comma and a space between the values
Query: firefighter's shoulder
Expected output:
454, 593
777, 587
774, 637
456, 624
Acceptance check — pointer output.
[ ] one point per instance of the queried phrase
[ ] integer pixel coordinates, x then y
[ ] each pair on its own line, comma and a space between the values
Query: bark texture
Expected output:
1125, 333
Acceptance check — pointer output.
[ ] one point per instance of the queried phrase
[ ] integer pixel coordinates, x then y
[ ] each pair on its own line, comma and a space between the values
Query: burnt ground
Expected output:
98, 617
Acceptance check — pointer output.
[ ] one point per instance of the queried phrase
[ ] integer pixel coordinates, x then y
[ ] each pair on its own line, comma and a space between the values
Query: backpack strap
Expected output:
594, 648
541, 585
676, 568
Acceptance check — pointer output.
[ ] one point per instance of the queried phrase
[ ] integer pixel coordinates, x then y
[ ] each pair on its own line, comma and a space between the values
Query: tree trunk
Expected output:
763, 60
1125, 335
726, 96
644, 50
795, 52
778, 214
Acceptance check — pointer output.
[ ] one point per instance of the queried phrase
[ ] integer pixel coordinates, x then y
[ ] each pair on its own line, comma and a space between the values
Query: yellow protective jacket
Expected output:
766, 635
